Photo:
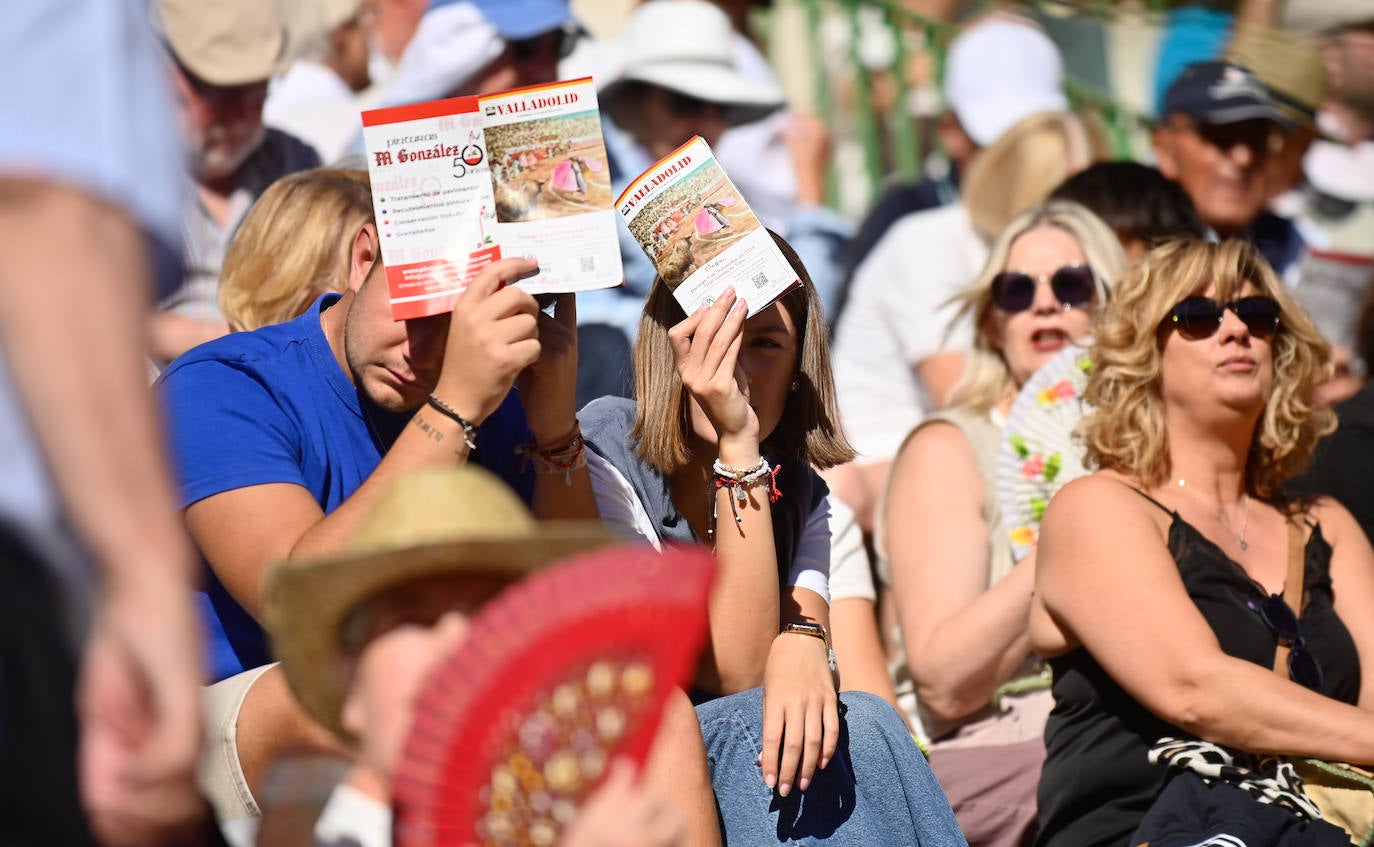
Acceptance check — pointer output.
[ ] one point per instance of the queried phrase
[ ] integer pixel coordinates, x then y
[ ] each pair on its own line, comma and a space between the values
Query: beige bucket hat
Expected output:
223, 42
428, 523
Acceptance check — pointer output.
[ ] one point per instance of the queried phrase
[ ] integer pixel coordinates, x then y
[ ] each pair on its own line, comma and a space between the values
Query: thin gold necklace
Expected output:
1221, 516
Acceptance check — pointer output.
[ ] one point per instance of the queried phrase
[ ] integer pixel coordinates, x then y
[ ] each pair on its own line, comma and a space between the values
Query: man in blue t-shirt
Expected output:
284, 436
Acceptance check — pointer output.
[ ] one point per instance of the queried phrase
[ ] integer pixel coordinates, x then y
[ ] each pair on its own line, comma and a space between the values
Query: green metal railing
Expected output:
894, 143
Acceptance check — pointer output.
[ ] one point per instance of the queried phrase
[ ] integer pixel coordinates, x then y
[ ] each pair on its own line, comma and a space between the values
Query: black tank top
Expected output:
1097, 783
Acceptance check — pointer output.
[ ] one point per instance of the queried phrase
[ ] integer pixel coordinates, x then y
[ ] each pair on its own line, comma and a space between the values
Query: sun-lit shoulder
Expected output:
1092, 494
1104, 509
933, 451
933, 436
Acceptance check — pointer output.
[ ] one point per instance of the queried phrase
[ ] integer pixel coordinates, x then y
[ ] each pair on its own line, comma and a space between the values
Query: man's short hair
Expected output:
1135, 200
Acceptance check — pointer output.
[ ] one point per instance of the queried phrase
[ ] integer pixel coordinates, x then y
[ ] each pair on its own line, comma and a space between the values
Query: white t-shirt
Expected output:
898, 315
311, 102
622, 512
850, 572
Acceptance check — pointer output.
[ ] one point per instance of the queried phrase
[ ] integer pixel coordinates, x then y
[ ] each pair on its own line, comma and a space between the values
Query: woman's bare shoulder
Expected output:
1104, 507
1098, 490
934, 450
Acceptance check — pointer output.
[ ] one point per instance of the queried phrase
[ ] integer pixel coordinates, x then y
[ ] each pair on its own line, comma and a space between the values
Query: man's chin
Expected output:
219, 163
216, 167
396, 399
1233, 219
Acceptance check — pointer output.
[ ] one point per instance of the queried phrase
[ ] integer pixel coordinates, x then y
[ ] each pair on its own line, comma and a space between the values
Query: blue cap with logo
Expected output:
1219, 93
516, 20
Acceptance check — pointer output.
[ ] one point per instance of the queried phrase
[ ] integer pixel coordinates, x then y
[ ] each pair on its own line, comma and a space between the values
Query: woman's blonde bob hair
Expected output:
1126, 432
809, 430
1023, 166
293, 245
987, 379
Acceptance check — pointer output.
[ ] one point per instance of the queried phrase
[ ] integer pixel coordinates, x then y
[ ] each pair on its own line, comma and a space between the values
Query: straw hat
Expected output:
1288, 64
428, 523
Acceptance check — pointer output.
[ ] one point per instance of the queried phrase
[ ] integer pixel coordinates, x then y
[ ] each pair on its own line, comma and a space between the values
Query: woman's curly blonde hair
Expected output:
1126, 431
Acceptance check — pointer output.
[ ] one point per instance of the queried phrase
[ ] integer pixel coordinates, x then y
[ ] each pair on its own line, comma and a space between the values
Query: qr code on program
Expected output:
588, 264
760, 280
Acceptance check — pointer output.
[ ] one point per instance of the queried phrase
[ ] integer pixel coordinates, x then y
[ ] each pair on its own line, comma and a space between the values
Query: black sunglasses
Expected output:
1279, 618
1073, 286
1200, 317
563, 41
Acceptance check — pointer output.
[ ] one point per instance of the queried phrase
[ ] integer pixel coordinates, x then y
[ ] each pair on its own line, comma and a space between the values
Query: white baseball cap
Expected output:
1000, 71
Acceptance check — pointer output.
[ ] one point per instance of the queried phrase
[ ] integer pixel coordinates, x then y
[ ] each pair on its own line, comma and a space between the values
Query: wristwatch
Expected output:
814, 630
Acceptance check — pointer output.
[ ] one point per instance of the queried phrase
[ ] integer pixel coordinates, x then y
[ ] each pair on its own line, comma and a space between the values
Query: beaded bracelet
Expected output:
719, 468
563, 459
740, 479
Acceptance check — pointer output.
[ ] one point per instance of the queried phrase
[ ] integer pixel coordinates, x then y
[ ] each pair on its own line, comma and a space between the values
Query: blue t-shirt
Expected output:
273, 406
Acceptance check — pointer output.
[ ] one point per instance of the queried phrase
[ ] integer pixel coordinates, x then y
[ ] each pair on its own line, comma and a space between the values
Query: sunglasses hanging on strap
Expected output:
1343, 792
1282, 614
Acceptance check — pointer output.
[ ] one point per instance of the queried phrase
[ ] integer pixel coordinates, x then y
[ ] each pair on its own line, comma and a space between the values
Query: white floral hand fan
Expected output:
1037, 453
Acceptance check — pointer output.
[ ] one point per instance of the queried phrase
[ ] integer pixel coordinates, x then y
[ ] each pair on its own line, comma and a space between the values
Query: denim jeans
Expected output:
876, 792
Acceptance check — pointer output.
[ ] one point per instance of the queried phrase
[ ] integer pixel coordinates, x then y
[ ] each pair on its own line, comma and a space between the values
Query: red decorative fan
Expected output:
562, 672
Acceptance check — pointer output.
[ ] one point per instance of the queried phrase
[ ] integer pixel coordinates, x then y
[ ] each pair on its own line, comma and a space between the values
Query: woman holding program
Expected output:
732, 415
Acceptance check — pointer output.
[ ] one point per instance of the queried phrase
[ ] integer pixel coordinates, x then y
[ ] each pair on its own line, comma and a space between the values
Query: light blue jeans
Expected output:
876, 792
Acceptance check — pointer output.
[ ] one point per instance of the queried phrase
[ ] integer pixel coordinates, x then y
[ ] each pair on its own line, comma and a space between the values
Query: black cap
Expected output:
1219, 93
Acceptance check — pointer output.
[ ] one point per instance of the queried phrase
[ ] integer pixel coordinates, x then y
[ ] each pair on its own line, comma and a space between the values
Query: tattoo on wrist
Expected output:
423, 425
429, 429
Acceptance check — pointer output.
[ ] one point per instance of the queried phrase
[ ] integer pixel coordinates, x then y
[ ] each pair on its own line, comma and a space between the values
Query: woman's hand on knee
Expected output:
801, 718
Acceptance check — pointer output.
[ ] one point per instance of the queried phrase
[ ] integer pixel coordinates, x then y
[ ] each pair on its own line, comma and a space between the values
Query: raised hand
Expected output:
493, 335
706, 347
808, 143
548, 388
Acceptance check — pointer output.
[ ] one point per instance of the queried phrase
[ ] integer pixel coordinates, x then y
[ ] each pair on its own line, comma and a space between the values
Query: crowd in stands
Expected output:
211, 423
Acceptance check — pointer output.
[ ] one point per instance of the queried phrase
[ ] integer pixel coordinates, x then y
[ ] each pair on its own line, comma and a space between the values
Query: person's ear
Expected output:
364, 254
351, 714
1166, 156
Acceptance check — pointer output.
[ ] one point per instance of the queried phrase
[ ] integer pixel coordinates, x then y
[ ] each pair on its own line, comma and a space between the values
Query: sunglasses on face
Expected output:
1279, 618
1200, 317
561, 42
1073, 286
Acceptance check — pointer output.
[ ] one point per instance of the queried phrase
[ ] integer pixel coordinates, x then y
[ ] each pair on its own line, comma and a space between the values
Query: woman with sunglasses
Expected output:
961, 600
1161, 578
732, 417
